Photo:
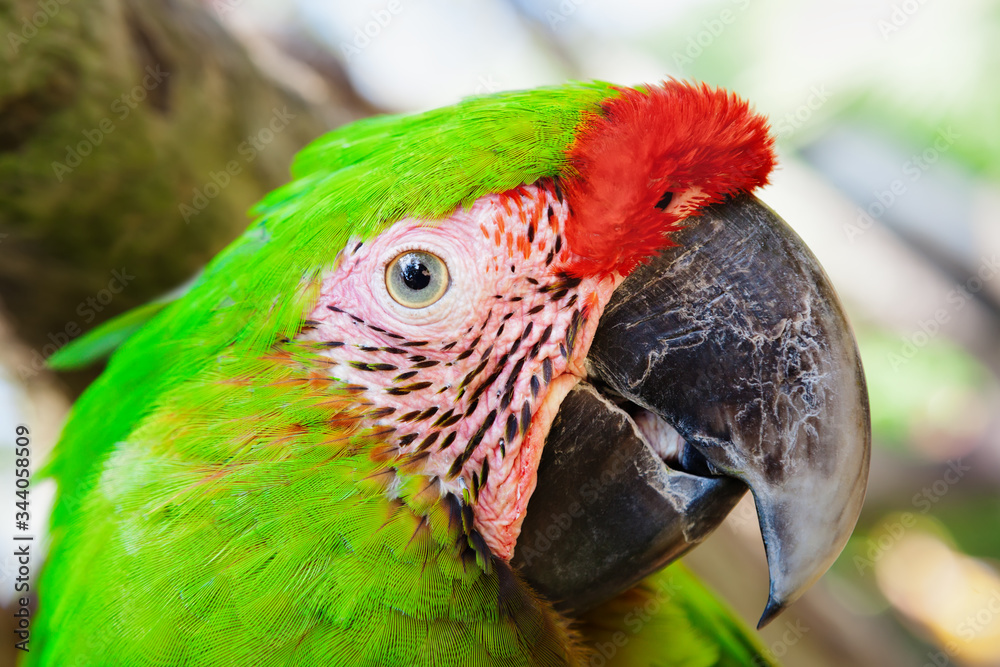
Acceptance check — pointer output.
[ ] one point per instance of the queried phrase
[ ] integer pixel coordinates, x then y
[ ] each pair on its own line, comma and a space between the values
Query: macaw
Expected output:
468, 382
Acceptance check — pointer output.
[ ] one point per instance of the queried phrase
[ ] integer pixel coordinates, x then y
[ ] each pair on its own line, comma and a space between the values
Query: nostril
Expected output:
665, 200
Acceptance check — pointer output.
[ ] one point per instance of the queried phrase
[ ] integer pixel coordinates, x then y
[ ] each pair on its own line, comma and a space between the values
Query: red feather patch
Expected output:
653, 157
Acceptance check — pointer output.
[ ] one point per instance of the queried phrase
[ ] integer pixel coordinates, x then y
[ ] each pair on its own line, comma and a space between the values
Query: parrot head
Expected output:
554, 313
464, 335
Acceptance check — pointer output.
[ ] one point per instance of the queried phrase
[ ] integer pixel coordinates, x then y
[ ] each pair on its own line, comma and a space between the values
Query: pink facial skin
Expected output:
472, 381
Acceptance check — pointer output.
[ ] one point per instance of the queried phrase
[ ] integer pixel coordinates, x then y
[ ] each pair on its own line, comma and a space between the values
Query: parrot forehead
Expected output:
466, 387
631, 164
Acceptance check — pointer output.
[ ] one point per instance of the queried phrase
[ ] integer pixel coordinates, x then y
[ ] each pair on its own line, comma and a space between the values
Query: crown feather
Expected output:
646, 145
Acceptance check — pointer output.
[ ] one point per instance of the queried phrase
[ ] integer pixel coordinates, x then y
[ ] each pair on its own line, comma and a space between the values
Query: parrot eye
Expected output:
416, 279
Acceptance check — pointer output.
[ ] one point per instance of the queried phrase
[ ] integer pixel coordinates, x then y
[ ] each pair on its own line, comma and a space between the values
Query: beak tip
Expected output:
773, 608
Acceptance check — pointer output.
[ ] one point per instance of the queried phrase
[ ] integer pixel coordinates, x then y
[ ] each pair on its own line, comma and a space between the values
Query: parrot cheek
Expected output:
502, 504
601, 291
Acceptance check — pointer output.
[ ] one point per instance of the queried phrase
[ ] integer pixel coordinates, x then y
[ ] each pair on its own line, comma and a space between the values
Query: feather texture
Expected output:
226, 498
214, 438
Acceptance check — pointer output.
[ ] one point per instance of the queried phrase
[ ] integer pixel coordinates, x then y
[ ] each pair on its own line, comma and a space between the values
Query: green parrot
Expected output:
471, 379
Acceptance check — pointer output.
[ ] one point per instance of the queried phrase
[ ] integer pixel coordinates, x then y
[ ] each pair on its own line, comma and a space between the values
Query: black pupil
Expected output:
415, 273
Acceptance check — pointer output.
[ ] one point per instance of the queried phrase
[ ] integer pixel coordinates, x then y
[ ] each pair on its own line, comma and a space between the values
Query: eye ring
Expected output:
416, 279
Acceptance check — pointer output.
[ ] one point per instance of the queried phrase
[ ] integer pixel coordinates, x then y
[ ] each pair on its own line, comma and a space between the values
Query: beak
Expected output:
725, 363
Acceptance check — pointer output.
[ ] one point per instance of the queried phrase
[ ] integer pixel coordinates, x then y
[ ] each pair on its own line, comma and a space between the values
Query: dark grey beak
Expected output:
735, 339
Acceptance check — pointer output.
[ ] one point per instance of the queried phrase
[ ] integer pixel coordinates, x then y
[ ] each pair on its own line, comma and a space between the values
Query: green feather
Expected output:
220, 503
352, 182
105, 339
196, 481
672, 620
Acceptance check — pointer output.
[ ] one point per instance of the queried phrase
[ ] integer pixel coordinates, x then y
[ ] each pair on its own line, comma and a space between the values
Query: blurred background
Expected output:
135, 134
